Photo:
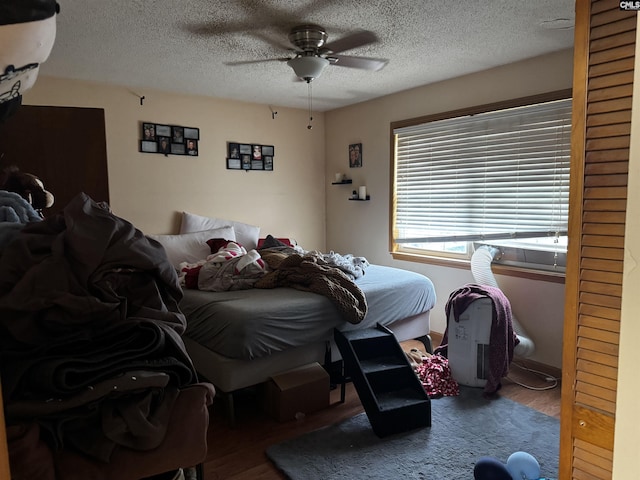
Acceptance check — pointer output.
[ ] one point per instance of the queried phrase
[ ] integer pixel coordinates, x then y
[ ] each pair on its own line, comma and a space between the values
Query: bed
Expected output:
240, 338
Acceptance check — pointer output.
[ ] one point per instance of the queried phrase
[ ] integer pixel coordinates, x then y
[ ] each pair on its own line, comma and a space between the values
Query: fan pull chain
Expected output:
310, 106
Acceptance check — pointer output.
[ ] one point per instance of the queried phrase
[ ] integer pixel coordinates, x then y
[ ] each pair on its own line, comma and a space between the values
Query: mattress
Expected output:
249, 324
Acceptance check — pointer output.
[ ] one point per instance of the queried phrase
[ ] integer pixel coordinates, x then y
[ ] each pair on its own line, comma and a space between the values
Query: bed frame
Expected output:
230, 375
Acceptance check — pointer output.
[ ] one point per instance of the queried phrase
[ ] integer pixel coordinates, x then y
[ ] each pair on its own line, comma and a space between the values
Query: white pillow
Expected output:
247, 235
191, 247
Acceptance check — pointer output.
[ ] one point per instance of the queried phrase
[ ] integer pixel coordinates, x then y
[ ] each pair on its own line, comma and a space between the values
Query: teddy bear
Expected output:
28, 186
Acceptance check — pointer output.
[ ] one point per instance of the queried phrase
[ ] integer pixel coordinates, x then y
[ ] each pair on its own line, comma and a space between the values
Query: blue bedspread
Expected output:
248, 324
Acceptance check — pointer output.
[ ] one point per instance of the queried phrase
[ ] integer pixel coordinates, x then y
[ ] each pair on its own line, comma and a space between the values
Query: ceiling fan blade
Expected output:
364, 63
209, 29
356, 39
213, 29
263, 60
274, 42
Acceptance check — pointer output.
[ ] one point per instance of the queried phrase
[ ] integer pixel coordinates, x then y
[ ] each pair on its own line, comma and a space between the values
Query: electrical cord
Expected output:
543, 375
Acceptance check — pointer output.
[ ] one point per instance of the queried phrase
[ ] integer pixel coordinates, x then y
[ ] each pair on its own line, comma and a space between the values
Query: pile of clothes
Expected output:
91, 354
434, 373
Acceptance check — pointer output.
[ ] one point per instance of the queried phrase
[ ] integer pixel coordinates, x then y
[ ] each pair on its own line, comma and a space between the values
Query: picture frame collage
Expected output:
169, 139
249, 156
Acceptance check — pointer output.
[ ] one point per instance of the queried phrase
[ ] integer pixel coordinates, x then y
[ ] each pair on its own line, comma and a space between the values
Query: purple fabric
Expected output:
502, 338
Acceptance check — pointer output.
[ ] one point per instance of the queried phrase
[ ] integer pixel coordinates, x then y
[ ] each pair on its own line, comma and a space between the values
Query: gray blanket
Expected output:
105, 305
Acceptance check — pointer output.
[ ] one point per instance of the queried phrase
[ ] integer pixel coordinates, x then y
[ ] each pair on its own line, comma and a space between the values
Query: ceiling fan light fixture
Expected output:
308, 67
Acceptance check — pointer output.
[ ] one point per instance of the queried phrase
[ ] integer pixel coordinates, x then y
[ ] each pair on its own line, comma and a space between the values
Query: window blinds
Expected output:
494, 175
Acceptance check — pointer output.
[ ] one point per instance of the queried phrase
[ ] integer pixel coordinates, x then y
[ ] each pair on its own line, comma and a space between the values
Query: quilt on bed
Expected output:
313, 273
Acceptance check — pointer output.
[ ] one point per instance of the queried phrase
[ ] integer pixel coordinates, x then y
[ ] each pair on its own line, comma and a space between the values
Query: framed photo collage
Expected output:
169, 139
246, 156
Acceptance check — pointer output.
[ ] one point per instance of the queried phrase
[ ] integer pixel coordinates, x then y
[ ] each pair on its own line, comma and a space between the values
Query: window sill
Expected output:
555, 277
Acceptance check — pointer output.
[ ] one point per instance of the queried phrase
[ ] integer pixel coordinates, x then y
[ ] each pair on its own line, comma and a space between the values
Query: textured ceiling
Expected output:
184, 45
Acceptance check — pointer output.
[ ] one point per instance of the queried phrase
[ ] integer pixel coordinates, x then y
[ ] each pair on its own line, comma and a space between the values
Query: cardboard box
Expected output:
301, 390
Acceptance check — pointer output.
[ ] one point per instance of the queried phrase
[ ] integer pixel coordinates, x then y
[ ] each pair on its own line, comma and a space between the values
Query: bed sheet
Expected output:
247, 324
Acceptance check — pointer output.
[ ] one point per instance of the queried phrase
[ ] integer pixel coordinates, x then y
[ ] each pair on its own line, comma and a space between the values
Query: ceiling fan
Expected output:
313, 54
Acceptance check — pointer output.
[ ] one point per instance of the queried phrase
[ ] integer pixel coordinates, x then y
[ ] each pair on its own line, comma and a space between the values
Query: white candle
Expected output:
362, 193
338, 177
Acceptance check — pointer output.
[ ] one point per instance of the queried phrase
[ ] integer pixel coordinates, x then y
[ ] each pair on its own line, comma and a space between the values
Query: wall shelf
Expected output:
361, 199
343, 182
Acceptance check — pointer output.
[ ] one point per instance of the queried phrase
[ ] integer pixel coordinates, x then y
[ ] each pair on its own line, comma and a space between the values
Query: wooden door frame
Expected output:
576, 191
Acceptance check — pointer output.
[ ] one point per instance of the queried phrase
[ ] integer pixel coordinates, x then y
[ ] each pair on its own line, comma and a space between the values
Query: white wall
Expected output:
627, 446
362, 228
150, 190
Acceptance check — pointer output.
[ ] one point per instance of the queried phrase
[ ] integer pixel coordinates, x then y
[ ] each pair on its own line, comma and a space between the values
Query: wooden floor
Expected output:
237, 453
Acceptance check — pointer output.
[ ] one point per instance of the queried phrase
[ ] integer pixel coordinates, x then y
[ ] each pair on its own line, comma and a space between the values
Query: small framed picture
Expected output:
246, 162
164, 145
256, 152
192, 133
192, 146
234, 164
233, 150
178, 148
177, 134
148, 146
163, 131
268, 163
267, 150
257, 165
148, 132
245, 149
355, 155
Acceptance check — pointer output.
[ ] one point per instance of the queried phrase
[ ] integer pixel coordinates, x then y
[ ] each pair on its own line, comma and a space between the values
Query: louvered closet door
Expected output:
603, 82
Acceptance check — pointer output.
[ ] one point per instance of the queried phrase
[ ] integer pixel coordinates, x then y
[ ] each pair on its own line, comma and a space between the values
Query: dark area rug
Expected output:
464, 428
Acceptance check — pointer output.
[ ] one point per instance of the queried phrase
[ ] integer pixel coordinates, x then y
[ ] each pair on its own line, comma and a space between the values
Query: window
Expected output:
495, 175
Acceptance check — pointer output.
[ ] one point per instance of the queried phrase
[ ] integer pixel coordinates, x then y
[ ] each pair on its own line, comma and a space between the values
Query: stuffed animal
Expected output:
519, 466
28, 186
